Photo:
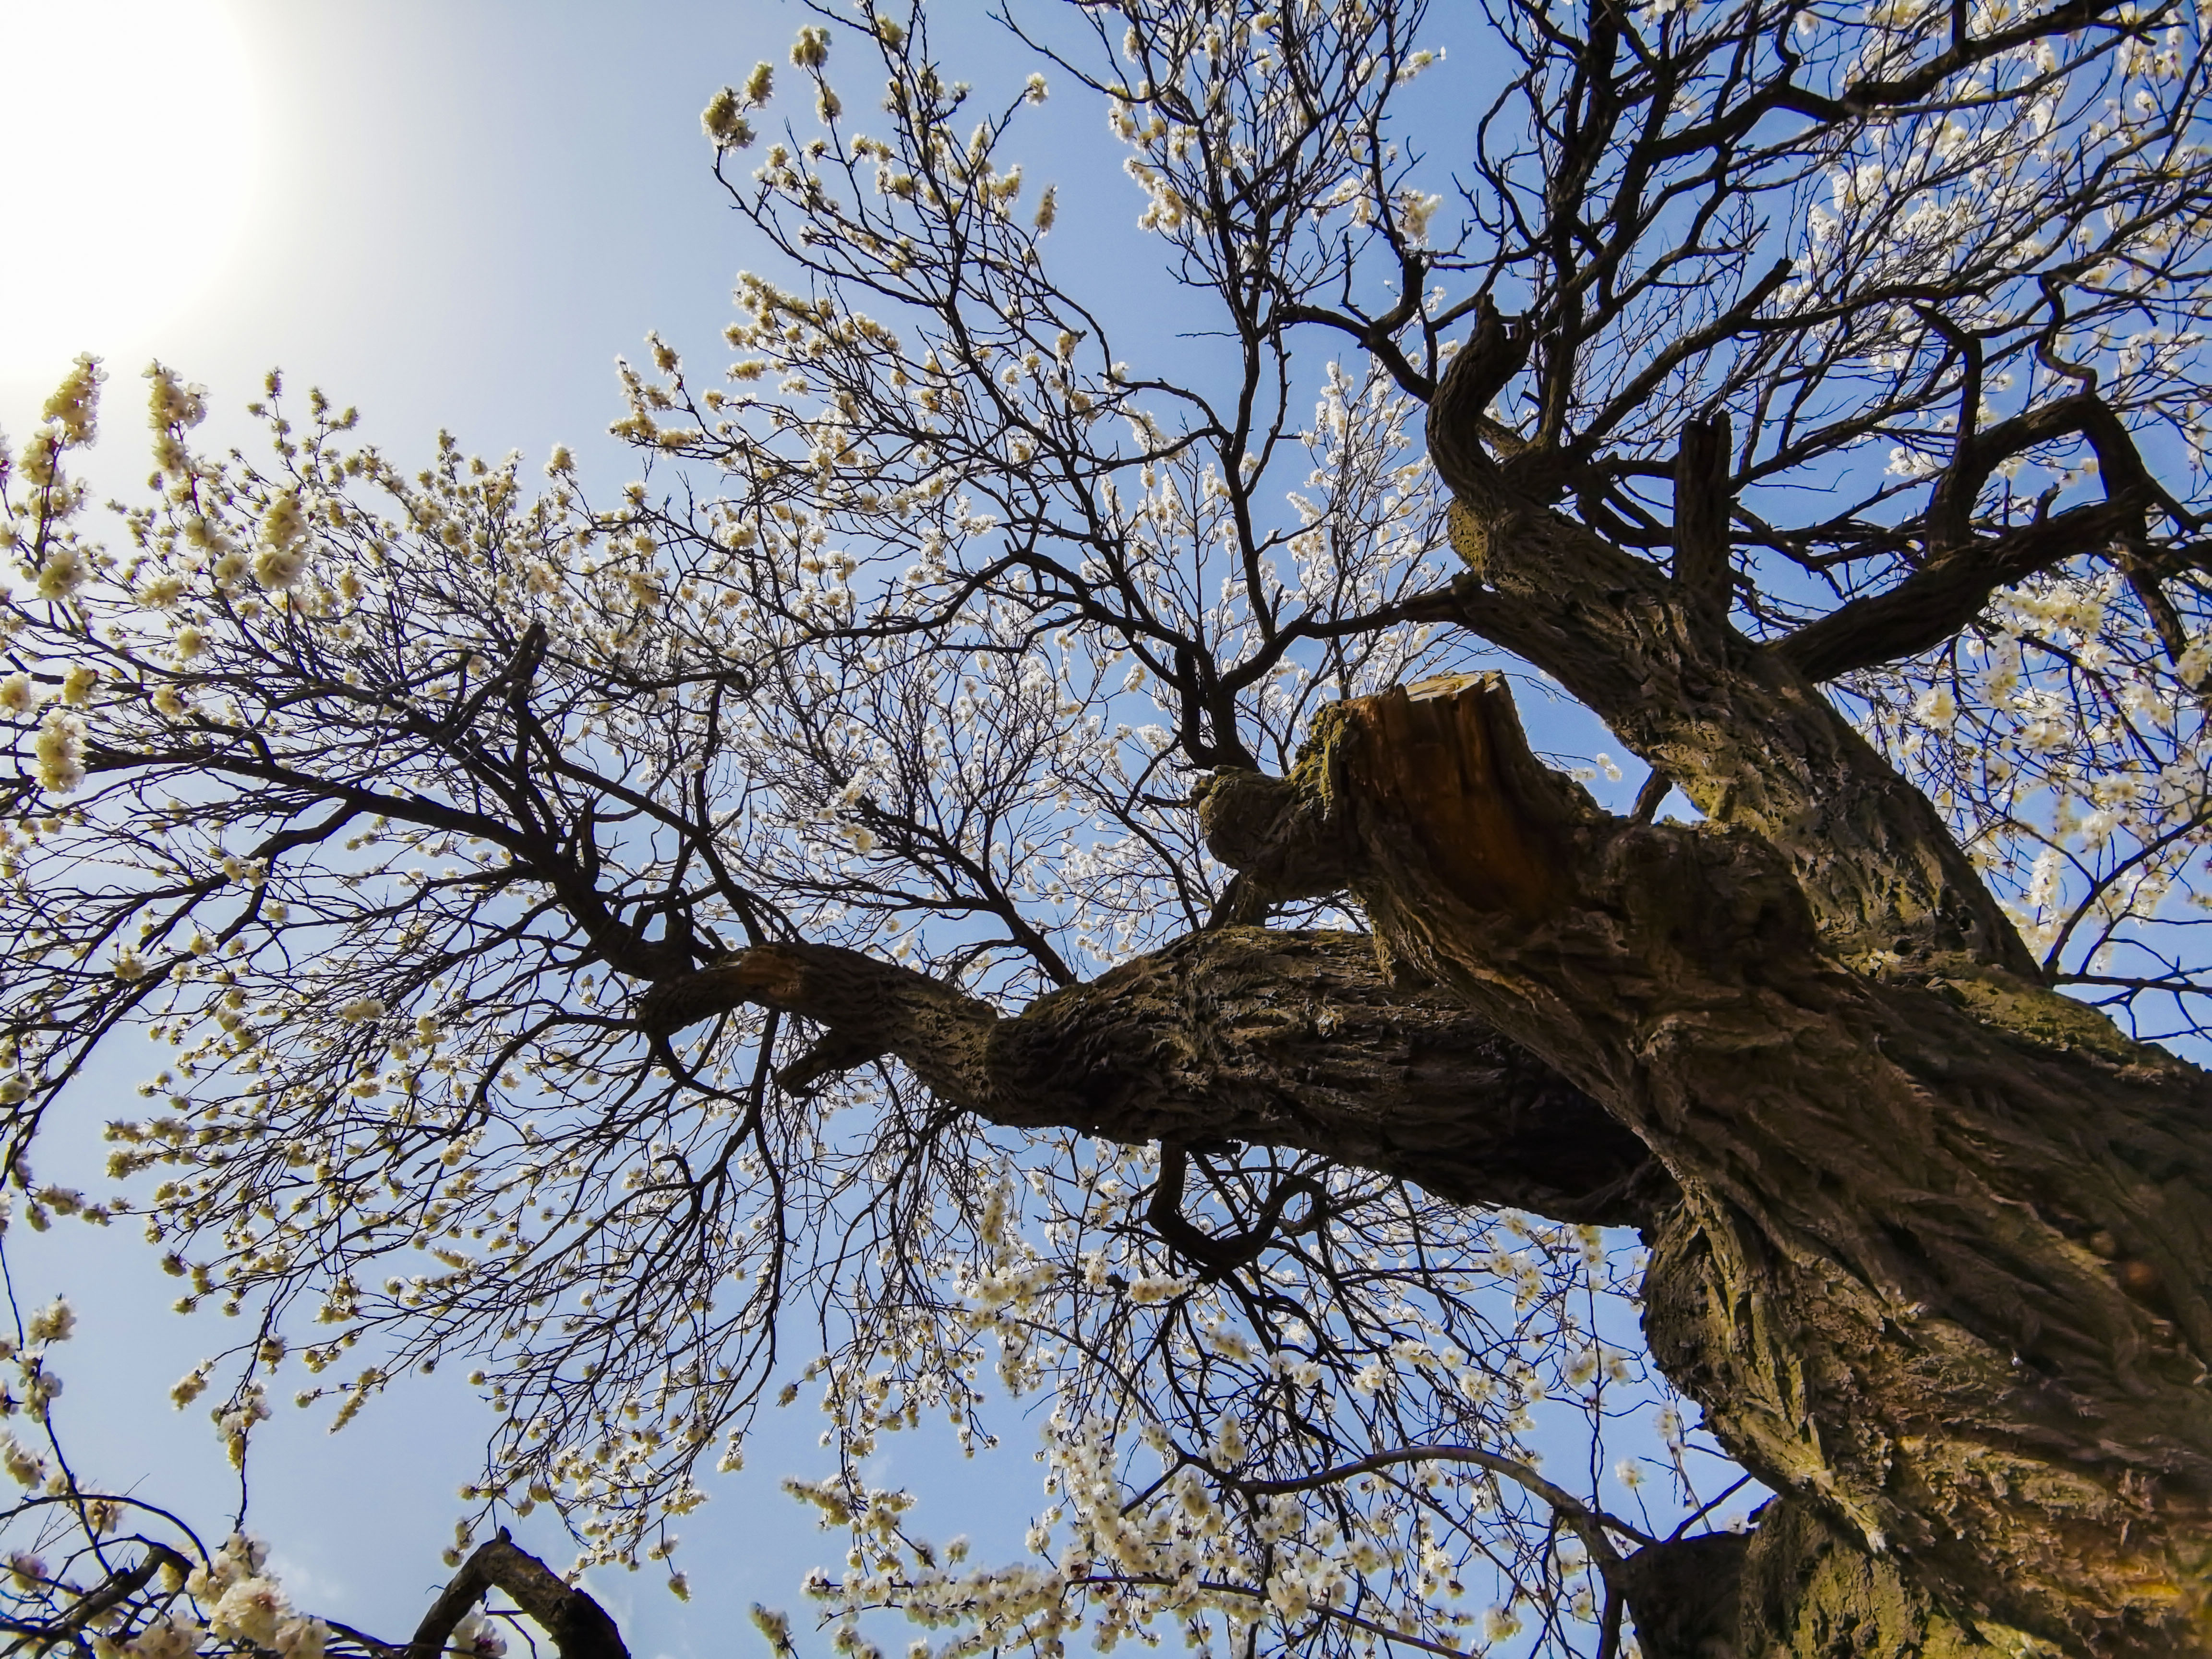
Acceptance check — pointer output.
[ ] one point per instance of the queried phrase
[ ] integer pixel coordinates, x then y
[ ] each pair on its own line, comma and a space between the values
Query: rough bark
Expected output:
1938, 1268
579, 1627
1746, 735
1931, 1248
1297, 1040
1684, 1596
1791, 1588
1702, 576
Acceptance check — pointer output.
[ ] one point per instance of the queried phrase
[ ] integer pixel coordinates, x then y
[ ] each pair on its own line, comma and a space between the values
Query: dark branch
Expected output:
579, 1625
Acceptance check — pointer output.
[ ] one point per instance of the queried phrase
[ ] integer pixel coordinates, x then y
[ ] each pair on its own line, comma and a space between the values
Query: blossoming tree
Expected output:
994, 854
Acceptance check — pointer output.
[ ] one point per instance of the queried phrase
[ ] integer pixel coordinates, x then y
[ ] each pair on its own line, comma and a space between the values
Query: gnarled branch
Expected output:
1749, 740
1961, 570
1297, 1040
579, 1626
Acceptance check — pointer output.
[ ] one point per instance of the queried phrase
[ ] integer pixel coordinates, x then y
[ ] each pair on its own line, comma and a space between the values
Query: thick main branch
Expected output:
1942, 1262
1296, 1040
1751, 741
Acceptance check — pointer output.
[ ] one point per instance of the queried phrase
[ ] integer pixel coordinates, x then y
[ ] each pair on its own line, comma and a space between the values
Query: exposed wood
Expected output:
1941, 1266
1751, 741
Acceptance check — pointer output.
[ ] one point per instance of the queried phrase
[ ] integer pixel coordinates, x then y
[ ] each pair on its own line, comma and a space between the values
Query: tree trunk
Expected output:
1932, 1249
1793, 1589
1938, 1270
1931, 1244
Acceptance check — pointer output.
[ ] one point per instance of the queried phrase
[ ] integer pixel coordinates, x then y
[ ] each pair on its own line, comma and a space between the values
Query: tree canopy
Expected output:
994, 854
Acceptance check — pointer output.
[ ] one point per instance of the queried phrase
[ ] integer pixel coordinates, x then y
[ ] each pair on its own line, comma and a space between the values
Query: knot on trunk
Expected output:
1277, 834
1426, 801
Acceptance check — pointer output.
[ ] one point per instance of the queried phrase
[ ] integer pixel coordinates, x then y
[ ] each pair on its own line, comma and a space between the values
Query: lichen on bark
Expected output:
1938, 1266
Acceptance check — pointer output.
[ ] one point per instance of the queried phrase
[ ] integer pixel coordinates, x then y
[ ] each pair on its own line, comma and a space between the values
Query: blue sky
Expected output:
451, 215
455, 214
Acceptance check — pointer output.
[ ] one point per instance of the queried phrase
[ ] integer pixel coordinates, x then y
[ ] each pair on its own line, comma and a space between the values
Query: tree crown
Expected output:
590, 932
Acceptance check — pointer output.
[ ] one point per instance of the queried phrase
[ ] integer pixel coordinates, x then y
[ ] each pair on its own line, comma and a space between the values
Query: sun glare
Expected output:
128, 131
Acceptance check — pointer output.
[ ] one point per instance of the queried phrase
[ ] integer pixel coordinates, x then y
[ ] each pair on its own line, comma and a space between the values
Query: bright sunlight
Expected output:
129, 132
